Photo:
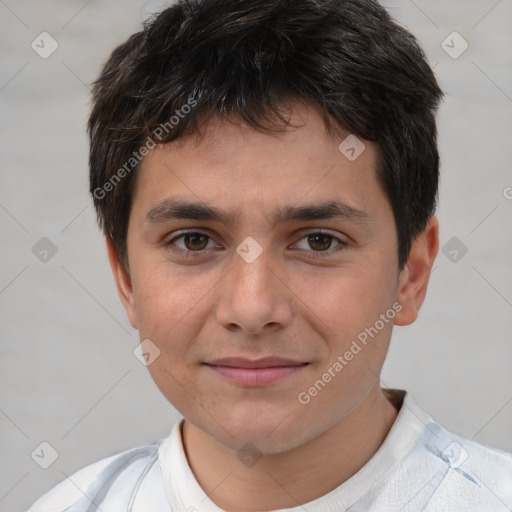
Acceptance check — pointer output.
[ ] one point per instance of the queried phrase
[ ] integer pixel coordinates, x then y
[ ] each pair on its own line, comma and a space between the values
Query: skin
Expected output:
285, 303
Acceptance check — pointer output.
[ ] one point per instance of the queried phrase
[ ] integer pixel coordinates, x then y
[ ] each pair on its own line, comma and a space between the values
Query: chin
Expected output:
271, 431
260, 441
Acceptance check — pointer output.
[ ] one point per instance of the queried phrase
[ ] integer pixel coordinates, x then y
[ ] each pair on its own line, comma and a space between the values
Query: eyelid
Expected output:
342, 242
181, 234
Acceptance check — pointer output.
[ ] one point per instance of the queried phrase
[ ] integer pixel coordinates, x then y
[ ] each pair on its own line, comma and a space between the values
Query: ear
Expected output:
414, 277
123, 283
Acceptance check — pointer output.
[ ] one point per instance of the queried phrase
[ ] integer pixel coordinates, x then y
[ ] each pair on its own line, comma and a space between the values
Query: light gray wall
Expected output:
67, 372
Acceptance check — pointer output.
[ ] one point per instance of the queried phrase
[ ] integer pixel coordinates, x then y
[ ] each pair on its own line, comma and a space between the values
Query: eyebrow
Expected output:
175, 208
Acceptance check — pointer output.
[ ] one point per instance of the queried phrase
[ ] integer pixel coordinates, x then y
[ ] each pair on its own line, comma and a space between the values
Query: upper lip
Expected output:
265, 362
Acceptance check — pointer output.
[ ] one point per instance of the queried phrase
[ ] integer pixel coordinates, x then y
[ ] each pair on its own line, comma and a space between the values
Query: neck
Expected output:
270, 484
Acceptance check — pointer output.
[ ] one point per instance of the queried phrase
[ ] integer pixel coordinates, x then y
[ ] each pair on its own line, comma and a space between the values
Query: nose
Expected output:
253, 296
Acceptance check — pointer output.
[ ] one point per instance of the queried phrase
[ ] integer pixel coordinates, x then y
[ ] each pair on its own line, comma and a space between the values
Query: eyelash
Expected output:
314, 254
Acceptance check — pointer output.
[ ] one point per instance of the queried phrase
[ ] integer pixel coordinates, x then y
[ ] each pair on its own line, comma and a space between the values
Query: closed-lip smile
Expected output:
255, 372
264, 362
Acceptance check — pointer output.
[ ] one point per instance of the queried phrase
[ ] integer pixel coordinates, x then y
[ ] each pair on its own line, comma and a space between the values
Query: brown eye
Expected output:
192, 241
320, 241
318, 244
195, 241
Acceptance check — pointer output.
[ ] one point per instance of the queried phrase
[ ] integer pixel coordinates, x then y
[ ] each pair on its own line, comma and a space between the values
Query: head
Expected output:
304, 135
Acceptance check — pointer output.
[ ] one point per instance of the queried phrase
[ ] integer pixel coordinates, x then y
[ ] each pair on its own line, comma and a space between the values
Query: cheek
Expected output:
347, 301
167, 312
348, 309
350, 306
165, 300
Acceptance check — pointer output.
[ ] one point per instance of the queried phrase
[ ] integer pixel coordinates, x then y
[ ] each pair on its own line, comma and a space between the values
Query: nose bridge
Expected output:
253, 265
252, 297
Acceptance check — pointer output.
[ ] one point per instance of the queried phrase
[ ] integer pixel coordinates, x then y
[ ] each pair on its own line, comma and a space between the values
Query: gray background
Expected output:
68, 375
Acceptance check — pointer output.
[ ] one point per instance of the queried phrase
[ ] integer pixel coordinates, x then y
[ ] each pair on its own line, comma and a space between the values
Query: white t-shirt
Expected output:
419, 467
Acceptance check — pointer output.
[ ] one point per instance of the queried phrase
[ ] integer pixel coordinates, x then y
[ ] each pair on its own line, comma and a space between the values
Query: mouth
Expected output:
255, 372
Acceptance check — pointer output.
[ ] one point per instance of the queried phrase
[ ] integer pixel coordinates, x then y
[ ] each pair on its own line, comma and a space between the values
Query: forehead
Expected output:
232, 167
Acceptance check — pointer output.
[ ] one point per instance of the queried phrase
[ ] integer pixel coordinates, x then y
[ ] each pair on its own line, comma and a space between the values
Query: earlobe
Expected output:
413, 279
123, 283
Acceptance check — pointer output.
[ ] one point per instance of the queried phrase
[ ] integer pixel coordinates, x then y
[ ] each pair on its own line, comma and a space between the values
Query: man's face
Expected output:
301, 289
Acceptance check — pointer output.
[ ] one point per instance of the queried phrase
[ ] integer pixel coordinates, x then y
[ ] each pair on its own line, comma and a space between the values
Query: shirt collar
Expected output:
185, 494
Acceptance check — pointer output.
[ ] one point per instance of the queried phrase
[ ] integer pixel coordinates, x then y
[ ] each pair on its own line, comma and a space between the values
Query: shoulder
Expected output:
115, 476
456, 451
466, 475
438, 470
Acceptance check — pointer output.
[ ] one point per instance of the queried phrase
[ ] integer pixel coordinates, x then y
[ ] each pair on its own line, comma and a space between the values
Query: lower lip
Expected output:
256, 377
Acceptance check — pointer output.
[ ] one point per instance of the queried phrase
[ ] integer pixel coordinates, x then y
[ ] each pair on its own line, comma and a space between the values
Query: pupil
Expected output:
313, 239
194, 236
